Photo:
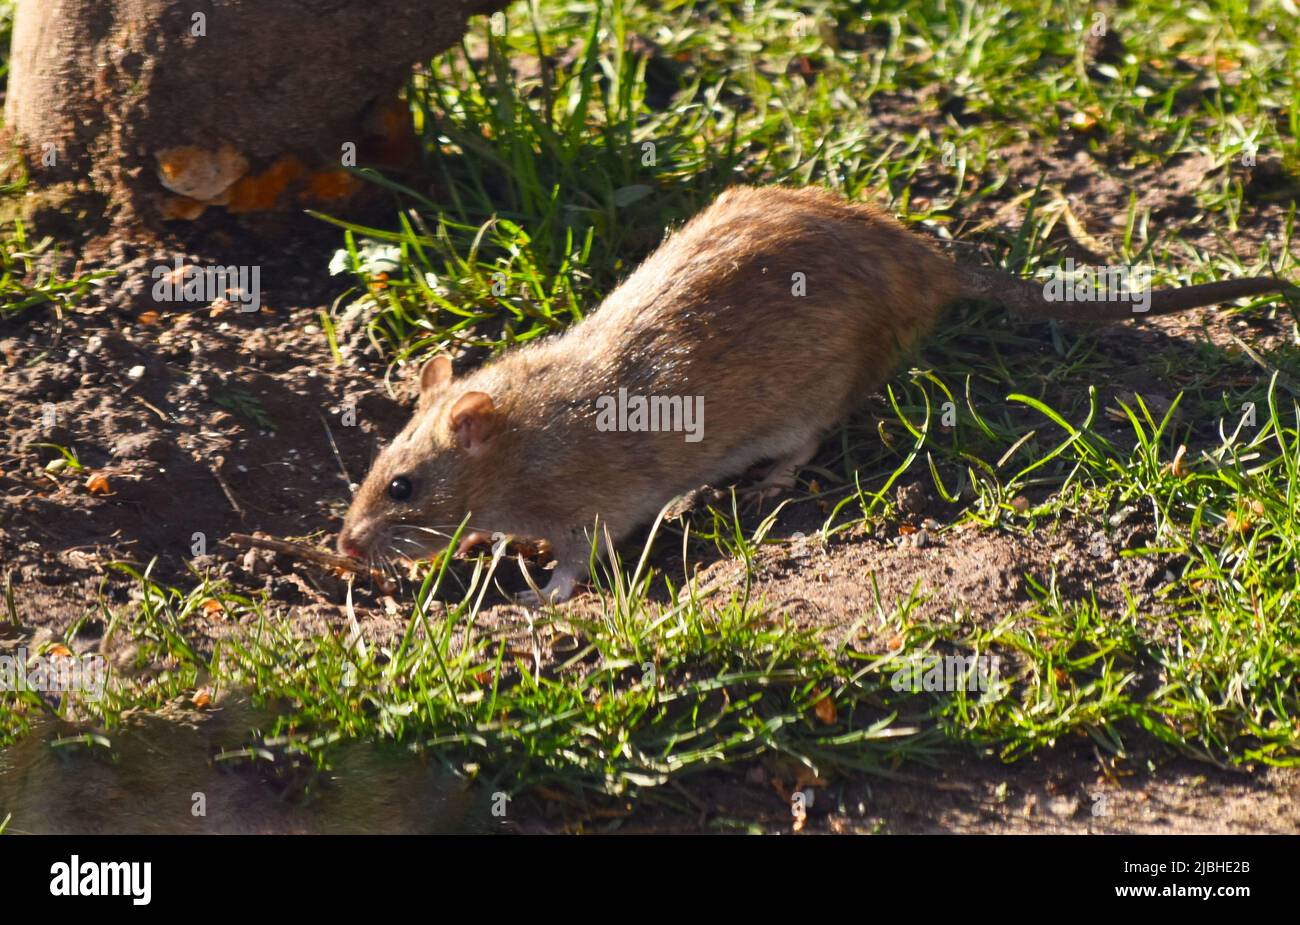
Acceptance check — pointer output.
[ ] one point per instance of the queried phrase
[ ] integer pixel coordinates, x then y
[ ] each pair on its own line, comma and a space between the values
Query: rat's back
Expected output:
774, 301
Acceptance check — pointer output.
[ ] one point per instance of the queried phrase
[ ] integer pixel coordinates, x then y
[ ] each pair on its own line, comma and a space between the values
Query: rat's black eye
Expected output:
400, 488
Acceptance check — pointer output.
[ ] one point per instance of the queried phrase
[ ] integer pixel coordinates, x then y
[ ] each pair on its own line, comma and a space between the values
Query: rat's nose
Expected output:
349, 546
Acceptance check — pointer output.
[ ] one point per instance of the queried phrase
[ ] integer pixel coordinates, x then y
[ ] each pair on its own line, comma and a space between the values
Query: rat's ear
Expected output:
435, 374
473, 418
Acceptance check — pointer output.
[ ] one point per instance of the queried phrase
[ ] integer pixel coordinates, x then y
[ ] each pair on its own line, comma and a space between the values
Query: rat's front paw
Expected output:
557, 590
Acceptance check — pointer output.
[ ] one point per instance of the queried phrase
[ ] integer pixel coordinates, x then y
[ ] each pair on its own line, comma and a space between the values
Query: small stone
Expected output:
135, 373
1122, 516
1098, 547
912, 498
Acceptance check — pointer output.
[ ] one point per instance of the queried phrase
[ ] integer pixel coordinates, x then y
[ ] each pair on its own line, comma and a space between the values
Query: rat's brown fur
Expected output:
713, 312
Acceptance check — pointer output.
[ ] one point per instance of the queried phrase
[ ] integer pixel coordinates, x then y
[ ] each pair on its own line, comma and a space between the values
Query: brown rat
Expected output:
758, 326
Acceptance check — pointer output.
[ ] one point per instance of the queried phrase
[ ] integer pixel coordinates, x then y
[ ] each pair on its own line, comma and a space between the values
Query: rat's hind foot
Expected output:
781, 475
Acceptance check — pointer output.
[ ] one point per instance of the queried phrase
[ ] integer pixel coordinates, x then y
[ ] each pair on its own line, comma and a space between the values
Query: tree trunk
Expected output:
170, 107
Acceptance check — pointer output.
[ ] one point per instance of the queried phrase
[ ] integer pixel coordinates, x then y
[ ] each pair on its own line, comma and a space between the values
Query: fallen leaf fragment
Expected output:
1176, 468
1082, 122
824, 709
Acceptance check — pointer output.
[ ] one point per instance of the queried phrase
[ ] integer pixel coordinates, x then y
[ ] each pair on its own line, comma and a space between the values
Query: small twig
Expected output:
347, 479
215, 469
297, 551
304, 552
166, 419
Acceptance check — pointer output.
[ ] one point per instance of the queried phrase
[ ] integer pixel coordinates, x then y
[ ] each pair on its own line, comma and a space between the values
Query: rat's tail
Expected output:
1027, 298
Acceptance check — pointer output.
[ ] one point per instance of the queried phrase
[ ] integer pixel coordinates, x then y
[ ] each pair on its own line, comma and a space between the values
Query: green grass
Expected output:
543, 198
546, 189
27, 280
644, 694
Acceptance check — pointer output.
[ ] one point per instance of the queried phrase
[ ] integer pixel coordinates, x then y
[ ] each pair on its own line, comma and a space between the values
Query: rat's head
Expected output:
417, 491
